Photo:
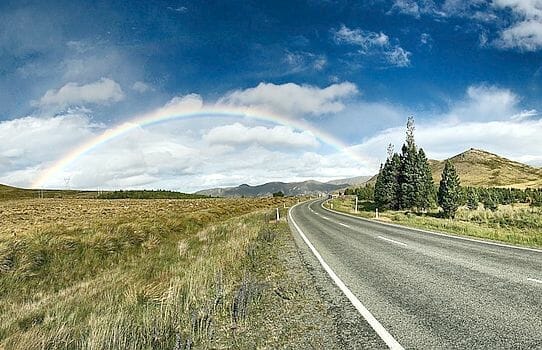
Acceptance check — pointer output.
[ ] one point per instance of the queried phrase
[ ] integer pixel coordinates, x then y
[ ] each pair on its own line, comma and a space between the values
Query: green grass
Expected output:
516, 224
129, 274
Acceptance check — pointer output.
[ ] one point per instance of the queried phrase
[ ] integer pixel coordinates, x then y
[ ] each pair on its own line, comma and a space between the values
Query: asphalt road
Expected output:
430, 291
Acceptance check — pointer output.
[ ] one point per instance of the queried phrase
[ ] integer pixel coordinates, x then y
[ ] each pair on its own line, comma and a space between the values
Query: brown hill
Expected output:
484, 169
480, 168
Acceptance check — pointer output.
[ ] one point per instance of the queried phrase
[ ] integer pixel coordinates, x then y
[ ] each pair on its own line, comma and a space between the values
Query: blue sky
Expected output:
469, 71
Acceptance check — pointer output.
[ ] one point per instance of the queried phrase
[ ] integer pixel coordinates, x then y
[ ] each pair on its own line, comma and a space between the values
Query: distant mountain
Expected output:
288, 188
351, 181
480, 168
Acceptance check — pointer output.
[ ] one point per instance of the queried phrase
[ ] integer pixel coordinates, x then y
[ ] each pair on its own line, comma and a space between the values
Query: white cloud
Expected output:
102, 91
485, 103
191, 154
373, 44
363, 38
398, 57
517, 140
525, 35
487, 117
282, 136
300, 61
141, 87
426, 39
292, 99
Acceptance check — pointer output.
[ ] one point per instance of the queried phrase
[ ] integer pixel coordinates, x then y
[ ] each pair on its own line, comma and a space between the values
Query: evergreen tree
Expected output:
449, 192
409, 174
425, 185
380, 197
386, 187
405, 180
472, 199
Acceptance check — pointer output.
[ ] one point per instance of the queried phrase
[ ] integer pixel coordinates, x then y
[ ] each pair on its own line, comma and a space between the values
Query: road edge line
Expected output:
373, 322
431, 232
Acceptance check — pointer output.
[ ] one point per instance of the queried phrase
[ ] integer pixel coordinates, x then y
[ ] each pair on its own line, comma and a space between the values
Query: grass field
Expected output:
135, 274
516, 224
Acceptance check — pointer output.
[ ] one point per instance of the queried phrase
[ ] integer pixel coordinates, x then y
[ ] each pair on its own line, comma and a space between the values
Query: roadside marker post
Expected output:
377, 213
356, 207
278, 214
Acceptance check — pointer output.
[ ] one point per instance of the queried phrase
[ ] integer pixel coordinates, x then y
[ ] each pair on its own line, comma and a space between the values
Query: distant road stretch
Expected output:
430, 291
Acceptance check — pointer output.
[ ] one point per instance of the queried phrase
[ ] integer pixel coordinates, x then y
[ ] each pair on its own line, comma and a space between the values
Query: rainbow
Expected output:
182, 111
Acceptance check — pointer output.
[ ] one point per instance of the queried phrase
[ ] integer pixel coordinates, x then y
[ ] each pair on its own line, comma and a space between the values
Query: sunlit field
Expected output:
131, 274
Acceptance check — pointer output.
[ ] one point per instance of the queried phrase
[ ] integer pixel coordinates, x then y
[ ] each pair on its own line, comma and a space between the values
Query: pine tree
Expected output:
409, 174
425, 185
449, 192
386, 187
380, 196
405, 180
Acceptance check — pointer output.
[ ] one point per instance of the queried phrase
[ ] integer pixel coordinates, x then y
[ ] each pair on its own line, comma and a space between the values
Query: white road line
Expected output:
534, 280
432, 232
392, 241
345, 225
373, 322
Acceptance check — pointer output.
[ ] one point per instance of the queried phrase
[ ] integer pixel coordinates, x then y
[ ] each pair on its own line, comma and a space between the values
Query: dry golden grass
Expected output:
125, 274
516, 224
483, 169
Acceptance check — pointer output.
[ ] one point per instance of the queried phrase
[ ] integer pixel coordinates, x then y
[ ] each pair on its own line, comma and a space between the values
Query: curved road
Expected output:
431, 291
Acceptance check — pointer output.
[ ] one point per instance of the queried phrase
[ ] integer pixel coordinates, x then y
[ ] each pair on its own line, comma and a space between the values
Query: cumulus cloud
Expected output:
198, 153
510, 138
525, 32
102, 91
293, 99
525, 35
487, 117
373, 44
282, 136
483, 102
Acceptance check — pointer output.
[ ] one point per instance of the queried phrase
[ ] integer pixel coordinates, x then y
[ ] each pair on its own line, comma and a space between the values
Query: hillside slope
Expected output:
484, 169
480, 168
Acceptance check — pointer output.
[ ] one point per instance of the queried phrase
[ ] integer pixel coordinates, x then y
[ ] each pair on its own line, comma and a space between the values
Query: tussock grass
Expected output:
131, 275
516, 224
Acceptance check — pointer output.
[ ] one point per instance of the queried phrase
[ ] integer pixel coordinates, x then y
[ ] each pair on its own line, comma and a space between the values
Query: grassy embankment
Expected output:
516, 224
139, 274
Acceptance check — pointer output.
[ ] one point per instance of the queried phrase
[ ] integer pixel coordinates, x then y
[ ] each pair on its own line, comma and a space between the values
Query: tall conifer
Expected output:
449, 192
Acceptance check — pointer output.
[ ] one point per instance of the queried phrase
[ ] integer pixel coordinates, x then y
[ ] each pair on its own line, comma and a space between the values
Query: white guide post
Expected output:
356, 207
278, 214
377, 213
